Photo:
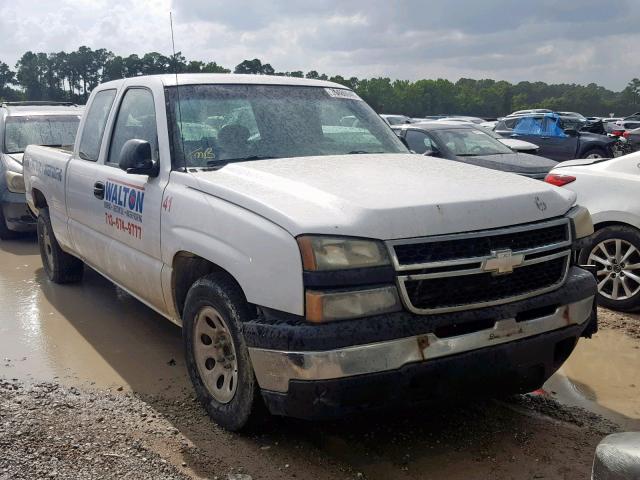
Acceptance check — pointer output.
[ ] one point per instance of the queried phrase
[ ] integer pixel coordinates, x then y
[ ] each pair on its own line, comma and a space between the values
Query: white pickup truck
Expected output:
318, 268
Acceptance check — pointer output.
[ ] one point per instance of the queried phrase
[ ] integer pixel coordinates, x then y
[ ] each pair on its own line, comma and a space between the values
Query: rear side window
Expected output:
94, 125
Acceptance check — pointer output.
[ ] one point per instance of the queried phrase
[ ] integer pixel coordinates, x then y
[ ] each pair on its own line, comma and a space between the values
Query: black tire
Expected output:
628, 236
221, 293
5, 233
59, 266
596, 151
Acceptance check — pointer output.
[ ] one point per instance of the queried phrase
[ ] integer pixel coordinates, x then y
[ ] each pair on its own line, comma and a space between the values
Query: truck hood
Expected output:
522, 163
386, 196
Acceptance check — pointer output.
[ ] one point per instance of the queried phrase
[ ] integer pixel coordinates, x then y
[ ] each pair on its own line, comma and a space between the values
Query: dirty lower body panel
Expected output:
16, 213
515, 367
343, 367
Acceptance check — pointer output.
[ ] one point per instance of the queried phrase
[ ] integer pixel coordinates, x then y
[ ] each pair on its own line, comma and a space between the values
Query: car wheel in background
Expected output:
615, 251
216, 354
5, 233
595, 153
59, 266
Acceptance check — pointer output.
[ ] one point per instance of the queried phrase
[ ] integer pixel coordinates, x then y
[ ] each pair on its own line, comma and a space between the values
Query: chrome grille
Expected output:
477, 269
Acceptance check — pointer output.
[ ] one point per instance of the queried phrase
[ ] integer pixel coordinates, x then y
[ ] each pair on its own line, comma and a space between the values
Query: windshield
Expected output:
467, 142
39, 130
215, 124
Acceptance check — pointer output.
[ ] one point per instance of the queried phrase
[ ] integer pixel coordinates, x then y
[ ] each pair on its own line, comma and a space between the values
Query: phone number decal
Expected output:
123, 226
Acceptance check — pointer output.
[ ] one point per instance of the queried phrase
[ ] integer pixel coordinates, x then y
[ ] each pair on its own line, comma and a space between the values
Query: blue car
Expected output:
22, 124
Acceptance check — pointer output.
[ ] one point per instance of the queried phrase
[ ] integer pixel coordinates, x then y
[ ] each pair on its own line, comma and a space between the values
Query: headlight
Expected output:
581, 222
330, 306
13, 174
15, 181
335, 253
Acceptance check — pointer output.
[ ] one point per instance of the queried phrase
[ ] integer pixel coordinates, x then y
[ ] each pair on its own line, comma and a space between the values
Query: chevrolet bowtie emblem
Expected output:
502, 261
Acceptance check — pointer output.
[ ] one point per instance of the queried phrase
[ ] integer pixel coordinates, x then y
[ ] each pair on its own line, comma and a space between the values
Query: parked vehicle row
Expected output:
316, 267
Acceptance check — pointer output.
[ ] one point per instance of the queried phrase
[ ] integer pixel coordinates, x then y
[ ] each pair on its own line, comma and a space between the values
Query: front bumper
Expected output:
16, 213
310, 380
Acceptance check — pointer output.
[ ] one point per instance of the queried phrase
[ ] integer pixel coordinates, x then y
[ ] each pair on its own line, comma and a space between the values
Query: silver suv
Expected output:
22, 124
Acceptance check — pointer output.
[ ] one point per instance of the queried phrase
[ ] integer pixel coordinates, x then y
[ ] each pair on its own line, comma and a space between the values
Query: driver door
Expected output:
131, 203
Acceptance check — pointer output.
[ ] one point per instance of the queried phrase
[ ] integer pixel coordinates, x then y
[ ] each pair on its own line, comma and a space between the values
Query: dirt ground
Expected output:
92, 385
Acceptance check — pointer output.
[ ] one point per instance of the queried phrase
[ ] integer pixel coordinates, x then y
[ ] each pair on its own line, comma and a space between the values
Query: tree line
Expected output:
71, 76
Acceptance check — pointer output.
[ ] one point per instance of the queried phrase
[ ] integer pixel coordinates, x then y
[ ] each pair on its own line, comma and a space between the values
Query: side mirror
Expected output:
572, 132
431, 153
617, 457
135, 157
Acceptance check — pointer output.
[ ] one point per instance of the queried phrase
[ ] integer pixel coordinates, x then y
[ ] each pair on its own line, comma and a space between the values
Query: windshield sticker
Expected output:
124, 200
342, 93
202, 154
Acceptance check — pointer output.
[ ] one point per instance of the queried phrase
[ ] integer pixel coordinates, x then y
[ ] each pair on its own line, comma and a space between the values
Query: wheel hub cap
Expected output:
215, 355
618, 263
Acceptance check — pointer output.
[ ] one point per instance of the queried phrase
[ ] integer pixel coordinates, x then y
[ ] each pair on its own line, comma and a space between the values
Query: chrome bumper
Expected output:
274, 369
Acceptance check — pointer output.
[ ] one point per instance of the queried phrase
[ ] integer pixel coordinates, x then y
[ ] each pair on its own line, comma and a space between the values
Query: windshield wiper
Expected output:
358, 152
215, 163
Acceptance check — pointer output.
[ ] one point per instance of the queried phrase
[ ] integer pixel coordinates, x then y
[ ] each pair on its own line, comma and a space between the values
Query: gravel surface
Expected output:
629, 323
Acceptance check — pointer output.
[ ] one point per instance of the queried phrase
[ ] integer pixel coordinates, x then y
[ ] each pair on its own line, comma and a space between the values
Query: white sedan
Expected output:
610, 189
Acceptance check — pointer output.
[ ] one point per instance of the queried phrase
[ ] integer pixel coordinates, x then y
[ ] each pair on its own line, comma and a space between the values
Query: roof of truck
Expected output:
30, 110
222, 78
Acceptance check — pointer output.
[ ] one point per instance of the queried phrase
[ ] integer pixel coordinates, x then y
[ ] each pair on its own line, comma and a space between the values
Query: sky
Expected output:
536, 40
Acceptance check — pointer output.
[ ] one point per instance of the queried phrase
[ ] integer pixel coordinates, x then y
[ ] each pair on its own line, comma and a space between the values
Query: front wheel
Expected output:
615, 251
59, 266
216, 354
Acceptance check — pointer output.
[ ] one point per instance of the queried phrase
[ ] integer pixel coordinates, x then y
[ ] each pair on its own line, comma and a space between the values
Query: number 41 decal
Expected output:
166, 205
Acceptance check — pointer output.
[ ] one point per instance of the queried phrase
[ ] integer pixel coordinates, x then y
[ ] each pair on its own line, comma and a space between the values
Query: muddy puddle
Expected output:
91, 333
95, 334
602, 375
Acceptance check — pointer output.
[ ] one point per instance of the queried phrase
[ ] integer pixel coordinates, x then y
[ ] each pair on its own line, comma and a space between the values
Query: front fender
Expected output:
261, 256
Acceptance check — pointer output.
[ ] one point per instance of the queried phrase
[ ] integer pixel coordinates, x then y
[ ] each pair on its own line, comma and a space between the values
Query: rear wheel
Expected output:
216, 354
59, 266
615, 251
595, 153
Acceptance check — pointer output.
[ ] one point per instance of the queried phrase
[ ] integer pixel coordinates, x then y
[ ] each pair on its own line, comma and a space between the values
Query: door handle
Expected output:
513, 135
98, 190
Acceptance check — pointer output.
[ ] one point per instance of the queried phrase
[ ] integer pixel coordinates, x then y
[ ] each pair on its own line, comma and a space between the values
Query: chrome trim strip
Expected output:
274, 369
474, 271
404, 295
478, 233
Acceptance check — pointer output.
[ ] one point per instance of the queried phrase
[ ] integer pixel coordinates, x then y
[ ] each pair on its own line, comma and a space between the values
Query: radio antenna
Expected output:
175, 70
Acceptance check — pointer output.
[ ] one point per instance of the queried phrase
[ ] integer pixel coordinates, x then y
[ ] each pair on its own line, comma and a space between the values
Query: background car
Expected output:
469, 144
22, 124
609, 189
629, 123
557, 138
512, 143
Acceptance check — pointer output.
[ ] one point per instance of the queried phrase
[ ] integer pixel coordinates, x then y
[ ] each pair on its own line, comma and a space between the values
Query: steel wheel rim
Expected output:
215, 355
595, 155
48, 247
618, 263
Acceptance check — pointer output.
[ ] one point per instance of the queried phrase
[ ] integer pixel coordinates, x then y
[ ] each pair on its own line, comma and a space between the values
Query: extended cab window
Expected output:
136, 119
94, 125
224, 123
